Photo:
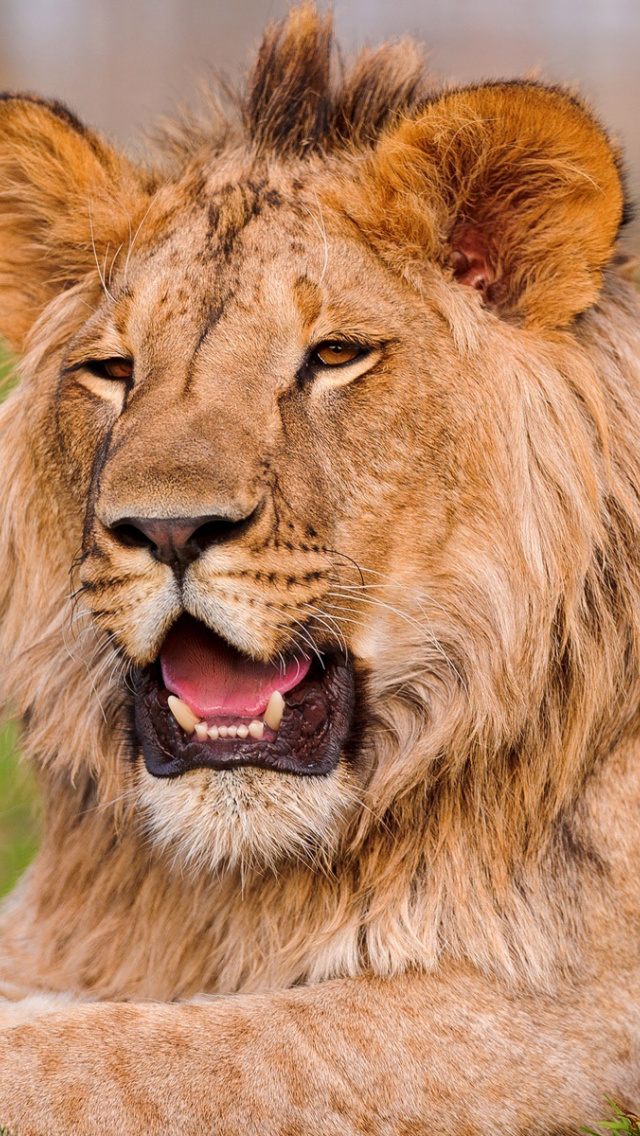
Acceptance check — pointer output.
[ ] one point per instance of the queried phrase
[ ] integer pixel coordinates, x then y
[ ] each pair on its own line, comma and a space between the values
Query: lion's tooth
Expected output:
256, 729
183, 714
243, 731
201, 731
275, 710
223, 731
232, 731
213, 732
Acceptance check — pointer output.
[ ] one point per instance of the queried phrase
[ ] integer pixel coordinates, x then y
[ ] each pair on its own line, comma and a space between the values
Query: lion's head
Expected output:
319, 493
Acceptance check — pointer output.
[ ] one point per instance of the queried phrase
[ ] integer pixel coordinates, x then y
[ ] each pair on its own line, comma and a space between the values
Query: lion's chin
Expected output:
302, 733
213, 821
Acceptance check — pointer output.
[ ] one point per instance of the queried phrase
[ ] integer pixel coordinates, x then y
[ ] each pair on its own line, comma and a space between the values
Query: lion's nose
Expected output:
177, 541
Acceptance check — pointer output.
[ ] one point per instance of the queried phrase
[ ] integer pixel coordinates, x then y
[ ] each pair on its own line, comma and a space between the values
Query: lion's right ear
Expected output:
514, 188
65, 198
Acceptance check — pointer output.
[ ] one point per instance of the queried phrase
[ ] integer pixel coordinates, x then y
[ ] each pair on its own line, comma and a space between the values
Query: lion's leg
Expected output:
412, 1055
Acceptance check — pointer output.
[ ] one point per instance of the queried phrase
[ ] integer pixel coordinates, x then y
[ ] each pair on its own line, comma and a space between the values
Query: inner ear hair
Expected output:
472, 261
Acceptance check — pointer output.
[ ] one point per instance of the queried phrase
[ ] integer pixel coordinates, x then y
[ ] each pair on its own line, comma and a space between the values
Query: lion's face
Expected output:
252, 427
272, 412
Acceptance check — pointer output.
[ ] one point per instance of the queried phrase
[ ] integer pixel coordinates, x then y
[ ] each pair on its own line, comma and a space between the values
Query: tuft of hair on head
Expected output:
299, 99
287, 104
379, 87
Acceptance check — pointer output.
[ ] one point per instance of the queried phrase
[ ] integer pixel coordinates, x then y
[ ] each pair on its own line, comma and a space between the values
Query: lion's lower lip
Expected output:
314, 728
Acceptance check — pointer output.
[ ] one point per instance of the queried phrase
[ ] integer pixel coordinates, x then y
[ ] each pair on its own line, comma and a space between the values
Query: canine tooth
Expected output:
183, 714
275, 710
213, 732
256, 729
201, 730
223, 731
232, 731
243, 731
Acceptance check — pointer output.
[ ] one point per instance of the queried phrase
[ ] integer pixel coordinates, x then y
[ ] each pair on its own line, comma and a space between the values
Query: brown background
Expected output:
120, 62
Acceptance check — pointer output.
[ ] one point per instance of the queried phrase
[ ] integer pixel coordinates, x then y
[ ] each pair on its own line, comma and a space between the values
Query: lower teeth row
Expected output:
190, 722
255, 729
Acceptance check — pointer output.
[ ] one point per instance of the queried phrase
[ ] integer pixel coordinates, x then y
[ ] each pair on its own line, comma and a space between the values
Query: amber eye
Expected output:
334, 354
119, 369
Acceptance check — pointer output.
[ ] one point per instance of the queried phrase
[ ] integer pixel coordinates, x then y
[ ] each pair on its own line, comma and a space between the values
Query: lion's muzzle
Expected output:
292, 716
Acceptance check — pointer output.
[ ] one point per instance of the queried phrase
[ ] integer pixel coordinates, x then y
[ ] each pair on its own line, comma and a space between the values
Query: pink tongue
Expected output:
214, 679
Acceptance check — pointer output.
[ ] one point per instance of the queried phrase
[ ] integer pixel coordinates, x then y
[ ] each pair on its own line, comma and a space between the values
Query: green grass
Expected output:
18, 824
622, 1122
18, 827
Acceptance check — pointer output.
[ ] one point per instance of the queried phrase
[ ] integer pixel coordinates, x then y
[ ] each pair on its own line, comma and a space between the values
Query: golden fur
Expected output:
459, 899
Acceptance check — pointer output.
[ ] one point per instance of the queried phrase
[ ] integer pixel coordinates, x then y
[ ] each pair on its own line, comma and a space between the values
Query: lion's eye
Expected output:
119, 369
335, 354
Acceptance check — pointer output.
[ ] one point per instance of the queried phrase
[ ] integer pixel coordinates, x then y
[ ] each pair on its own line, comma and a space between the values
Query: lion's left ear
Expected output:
513, 186
67, 200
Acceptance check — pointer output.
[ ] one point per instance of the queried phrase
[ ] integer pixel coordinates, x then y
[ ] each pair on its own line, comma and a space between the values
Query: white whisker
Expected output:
95, 257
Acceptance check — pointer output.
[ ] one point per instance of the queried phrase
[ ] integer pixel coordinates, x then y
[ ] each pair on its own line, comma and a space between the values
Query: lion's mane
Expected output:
471, 835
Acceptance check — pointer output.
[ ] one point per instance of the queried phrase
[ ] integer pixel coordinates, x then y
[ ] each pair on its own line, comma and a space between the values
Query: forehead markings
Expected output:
229, 212
308, 300
233, 207
122, 311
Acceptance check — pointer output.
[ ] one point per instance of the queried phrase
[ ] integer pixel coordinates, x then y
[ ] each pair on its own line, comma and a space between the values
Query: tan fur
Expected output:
442, 934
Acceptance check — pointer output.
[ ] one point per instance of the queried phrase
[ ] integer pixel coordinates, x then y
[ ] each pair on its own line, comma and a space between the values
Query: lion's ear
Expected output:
65, 197
514, 186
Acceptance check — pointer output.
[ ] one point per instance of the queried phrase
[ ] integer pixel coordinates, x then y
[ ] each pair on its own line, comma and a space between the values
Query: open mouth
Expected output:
203, 704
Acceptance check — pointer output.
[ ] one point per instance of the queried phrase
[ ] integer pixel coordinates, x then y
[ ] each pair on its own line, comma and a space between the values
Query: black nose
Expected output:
176, 541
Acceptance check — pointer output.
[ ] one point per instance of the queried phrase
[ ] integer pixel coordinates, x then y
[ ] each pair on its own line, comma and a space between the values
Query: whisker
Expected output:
95, 257
133, 240
320, 225
426, 631
310, 640
113, 261
330, 623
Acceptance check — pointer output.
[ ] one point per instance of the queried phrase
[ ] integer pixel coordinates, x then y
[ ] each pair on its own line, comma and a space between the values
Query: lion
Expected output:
320, 609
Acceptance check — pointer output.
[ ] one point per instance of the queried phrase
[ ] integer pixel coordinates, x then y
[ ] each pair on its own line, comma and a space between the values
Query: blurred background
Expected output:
120, 63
